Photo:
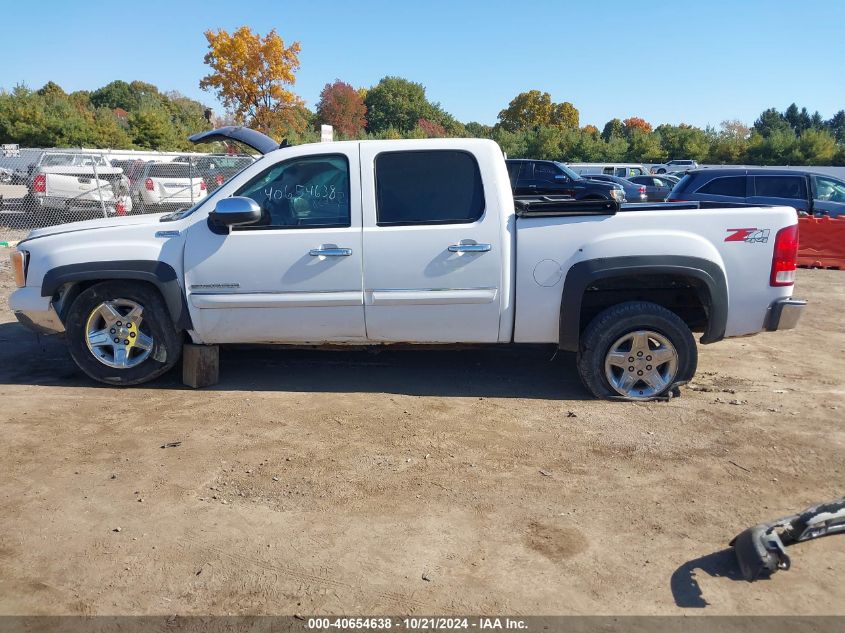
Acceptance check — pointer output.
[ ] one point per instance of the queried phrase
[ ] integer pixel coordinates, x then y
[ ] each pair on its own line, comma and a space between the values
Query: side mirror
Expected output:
235, 211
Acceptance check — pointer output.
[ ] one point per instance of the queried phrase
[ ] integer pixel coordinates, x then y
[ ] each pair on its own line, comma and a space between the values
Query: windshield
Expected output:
568, 171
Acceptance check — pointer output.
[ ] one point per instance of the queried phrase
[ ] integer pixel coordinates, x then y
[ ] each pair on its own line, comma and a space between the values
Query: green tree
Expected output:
816, 147
152, 129
770, 121
777, 148
613, 129
398, 104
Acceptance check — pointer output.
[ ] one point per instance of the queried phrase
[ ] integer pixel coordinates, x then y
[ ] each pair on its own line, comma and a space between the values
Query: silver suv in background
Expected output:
674, 165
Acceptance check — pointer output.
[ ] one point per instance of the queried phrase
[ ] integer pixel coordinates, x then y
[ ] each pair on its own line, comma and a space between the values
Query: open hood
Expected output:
261, 143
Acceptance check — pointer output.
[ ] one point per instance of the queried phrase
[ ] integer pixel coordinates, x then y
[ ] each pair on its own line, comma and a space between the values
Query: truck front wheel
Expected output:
636, 350
121, 333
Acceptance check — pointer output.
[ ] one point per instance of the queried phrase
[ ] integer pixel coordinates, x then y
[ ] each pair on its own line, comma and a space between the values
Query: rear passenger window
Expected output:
727, 186
428, 187
780, 187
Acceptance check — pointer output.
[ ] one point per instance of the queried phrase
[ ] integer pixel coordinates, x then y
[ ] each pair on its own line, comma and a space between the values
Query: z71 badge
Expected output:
751, 235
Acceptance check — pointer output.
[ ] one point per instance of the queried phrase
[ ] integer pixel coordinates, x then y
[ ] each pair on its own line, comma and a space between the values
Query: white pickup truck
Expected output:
409, 241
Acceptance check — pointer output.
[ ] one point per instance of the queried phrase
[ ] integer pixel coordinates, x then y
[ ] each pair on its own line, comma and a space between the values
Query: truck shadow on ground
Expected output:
684, 581
517, 372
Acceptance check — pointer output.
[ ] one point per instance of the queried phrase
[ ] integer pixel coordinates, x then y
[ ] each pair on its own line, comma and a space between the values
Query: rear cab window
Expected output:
428, 187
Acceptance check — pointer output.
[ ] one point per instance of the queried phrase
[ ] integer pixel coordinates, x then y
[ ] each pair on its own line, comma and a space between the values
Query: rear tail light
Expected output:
148, 184
642, 189
219, 179
120, 209
202, 184
785, 257
39, 185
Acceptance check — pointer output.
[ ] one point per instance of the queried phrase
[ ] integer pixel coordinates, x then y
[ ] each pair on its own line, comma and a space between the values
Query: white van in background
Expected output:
623, 170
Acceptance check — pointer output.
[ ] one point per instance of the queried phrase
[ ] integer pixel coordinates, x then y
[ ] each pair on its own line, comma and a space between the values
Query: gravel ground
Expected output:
315, 482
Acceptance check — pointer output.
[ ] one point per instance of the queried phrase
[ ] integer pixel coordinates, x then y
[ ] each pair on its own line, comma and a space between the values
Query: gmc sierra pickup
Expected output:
409, 241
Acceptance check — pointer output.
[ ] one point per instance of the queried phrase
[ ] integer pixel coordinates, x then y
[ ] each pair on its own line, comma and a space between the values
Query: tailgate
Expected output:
78, 186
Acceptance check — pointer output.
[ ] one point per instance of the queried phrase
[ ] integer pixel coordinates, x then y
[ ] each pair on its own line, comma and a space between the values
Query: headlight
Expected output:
618, 195
19, 262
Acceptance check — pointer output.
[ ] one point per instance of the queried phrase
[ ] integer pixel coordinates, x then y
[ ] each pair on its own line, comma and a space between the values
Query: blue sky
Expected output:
677, 61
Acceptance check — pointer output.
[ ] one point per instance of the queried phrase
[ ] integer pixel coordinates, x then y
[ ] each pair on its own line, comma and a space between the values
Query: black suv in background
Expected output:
549, 178
815, 194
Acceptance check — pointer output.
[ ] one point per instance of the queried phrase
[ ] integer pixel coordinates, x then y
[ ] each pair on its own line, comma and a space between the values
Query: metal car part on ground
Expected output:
760, 550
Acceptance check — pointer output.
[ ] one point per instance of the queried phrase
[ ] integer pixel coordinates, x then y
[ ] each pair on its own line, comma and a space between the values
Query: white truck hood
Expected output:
89, 225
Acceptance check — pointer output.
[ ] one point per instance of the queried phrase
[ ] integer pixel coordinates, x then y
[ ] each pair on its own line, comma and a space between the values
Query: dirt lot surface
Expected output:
484, 482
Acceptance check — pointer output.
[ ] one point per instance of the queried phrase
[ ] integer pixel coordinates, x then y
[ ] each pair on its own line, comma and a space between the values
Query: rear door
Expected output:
785, 190
433, 252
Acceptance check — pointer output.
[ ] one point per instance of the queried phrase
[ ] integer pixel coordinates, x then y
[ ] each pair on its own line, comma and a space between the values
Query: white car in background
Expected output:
674, 165
167, 186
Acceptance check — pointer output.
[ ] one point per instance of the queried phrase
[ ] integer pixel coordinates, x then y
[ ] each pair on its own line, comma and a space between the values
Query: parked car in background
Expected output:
623, 170
674, 166
546, 177
74, 182
671, 178
167, 186
216, 168
633, 192
807, 192
657, 188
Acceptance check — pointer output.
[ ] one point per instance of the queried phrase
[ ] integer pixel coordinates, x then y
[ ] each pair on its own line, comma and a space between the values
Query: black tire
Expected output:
617, 321
156, 323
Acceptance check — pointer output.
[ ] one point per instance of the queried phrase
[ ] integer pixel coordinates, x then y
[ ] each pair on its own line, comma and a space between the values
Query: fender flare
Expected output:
586, 272
160, 274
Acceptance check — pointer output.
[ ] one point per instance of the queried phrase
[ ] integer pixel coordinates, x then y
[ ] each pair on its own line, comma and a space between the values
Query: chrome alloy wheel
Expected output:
641, 364
114, 336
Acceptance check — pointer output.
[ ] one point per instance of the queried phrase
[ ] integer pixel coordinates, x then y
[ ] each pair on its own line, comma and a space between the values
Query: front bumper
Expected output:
784, 314
34, 311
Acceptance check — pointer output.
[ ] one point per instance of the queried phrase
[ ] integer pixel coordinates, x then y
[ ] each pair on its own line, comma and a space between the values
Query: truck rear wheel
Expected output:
636, 350
121, 333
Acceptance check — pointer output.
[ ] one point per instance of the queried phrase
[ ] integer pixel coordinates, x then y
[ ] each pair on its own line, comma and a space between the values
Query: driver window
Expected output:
304, 192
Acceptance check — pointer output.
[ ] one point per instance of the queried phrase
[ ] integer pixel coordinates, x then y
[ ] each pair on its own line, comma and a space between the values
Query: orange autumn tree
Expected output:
635, 124
251, 76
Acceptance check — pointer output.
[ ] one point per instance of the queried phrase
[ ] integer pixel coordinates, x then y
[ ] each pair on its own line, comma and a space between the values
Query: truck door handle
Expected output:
470, 248
330, 252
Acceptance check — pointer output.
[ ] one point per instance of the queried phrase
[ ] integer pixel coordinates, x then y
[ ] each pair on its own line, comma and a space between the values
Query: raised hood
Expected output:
261, 143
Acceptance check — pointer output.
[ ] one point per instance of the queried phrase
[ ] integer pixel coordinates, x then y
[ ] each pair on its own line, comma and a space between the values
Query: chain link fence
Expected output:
44, 187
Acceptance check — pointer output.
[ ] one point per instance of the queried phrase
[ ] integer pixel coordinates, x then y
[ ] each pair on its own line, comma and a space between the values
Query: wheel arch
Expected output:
77, 277
701, 276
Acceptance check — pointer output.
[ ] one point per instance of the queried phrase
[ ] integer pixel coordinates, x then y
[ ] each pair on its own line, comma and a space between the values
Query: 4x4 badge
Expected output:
750, 235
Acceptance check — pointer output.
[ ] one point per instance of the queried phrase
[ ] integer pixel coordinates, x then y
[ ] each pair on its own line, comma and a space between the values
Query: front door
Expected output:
433, 243
294, 277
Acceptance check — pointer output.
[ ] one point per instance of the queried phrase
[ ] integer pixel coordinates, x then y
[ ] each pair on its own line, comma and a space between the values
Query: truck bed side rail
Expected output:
549, 206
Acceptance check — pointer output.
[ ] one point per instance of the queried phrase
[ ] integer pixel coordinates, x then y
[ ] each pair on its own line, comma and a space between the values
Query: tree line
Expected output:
253, 77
